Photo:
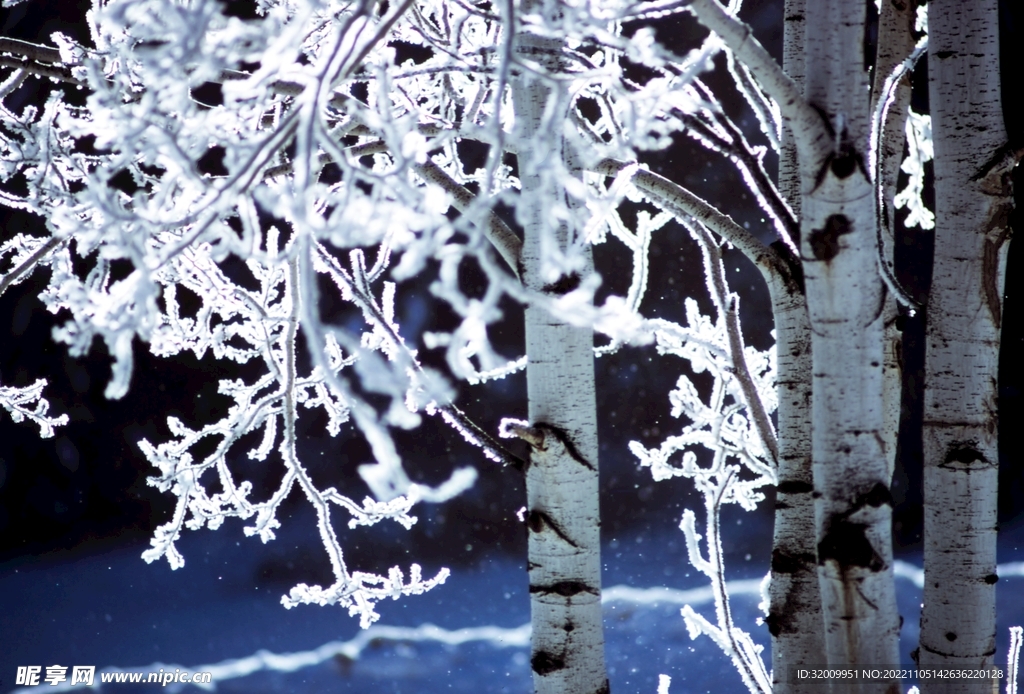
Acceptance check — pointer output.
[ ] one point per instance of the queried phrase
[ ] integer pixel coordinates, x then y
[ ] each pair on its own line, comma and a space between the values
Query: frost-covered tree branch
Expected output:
732, 424
263, 192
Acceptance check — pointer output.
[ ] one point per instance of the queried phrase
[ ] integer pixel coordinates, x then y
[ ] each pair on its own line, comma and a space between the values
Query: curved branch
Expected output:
497, 232
777, 264
752, 170
451, 414
878, 162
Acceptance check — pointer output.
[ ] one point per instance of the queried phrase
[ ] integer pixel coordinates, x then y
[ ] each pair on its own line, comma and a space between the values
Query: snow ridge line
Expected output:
499, 637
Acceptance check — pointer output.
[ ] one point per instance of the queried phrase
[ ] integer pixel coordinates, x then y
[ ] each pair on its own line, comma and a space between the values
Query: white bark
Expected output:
561, 479
973, 201
845, 298
794, 616
793, 33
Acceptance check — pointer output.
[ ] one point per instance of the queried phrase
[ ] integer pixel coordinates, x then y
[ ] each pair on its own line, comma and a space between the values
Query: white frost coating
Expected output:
921, 19
181, 253
267, 328
1013, 659
919, 151
507, 426
363, 590
719, 423
29, 403
498, 373
723, 427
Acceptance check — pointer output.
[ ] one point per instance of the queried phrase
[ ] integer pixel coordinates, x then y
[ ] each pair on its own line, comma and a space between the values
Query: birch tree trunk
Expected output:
794, 31
845, 298
794, 617
561, 479
794, 614
973, 201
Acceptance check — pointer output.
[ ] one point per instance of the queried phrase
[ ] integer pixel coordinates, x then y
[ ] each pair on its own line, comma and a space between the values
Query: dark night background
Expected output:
84, 491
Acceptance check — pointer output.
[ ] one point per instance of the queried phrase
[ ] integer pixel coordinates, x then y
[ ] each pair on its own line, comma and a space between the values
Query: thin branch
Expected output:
764, 108
444, 69
478, 12
751, 169
504, 240
654, 10
26, 268
496, 150
776, 263
450, 413
728, 304
382, 29
877, 163
713, 509
465, 425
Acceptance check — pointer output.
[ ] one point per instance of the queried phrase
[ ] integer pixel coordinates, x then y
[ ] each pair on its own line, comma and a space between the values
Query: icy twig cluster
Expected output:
206, 175
29, 403
23, 252
732, 426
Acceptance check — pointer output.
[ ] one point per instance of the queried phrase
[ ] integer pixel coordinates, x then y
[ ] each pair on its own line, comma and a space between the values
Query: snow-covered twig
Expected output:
1013, 659
742, 385
29, 403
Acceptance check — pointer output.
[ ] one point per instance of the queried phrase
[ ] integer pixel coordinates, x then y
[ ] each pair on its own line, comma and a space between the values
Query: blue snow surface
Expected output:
110, 609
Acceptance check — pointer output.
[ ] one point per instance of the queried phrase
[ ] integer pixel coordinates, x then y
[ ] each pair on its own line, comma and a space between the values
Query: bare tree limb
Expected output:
885, 155
504, 240
766, 110
449, 413
29, 51
26, 268
749, 164
776, 263
56, 72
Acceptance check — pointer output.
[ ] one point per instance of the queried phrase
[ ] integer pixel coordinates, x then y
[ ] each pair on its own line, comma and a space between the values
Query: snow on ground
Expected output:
112, 610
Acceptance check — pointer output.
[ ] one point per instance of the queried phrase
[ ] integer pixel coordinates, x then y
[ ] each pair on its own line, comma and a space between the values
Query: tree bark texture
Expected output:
563, 517
794, 613
845, 298
793, 64
973, 202
794, 617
